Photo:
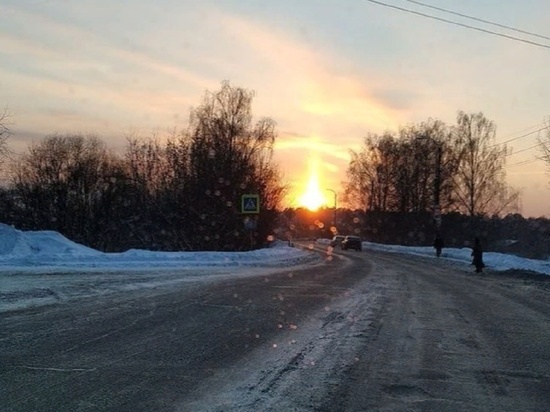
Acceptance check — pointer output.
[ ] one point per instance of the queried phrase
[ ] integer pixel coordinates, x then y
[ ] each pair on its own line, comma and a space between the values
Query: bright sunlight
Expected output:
313, 197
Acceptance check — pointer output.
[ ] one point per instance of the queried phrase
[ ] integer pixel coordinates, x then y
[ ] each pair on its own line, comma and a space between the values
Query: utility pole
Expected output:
437, 188
437, 182
335, 205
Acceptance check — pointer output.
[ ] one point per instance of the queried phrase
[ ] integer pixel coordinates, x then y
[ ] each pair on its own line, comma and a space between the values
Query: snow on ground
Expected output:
42, 267
462, 256
50, 250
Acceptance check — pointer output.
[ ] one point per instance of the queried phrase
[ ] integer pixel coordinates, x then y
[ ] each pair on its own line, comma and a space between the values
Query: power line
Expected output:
540, 143
522, 163
524, 150
525, 129
522, 136
429, 16
480, 20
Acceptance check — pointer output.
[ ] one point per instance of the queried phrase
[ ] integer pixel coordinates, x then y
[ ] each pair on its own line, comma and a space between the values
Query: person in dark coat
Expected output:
438, 245
477, 253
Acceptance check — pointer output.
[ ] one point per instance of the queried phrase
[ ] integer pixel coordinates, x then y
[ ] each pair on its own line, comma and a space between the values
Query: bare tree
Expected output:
59, 184
480, 181
230, 156
436, 163
408, 172
430, 166
370, 173
360, 179
5, 133
425, 167
158, 181
544, 143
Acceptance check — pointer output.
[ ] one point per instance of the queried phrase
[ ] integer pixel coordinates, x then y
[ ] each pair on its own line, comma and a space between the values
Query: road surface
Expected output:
363, 331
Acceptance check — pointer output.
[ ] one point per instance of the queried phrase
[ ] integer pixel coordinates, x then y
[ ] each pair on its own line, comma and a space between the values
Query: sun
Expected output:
313, 197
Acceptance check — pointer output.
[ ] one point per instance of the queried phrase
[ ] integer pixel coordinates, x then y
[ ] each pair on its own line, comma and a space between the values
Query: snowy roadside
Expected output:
40, 268
462, 256
43, 267
47, 251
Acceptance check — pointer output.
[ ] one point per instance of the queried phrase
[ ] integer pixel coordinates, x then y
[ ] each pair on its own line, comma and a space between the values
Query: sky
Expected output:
42, 267
327, 71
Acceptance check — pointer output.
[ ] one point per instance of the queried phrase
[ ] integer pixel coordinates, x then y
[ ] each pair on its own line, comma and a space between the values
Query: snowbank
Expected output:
31, 249
22, 250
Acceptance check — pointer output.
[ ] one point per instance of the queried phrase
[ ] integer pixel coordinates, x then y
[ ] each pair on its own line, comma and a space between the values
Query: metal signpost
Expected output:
250, 205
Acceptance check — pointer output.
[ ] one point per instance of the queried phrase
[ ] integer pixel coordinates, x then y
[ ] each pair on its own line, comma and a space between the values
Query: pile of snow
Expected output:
41, 268
12, 242
15, 243
20, 250
24, 249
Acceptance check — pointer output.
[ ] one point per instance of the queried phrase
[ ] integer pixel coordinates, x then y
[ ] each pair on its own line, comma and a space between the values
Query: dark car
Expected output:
337, 240
352, 242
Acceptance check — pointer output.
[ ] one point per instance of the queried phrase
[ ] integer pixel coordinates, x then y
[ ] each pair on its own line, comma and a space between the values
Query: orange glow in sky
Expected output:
325, 96
313, 198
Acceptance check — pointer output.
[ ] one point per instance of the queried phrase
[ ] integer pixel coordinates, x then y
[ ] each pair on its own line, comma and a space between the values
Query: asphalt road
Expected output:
364, 331
445, 340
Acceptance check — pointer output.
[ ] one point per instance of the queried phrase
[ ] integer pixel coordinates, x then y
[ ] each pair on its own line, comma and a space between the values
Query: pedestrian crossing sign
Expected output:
250, 204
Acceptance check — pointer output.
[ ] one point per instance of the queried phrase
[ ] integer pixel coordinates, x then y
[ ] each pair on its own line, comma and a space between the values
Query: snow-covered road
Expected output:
39, 268
303, 328
409, 335
359, 331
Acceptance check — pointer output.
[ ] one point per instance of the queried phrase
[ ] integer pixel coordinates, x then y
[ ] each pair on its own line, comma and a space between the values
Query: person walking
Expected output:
477, 253
438, 244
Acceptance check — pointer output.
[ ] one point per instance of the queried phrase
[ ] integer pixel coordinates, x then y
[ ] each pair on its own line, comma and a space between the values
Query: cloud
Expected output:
312, 144
320, 90
329, 109
57, 65
69, 48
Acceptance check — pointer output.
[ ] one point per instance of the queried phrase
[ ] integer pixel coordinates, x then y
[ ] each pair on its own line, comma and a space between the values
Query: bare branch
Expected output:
5, 133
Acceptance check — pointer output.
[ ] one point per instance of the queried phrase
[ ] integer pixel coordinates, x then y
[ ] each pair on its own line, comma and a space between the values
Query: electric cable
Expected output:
429, 16
521, 137
480, 20
522, 163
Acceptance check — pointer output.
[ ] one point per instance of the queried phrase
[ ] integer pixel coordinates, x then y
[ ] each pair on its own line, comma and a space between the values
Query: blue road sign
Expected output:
250, 204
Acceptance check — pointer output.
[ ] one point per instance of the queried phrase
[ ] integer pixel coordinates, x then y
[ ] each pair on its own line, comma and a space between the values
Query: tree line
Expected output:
184, 193
180, 195
458, 168
510, 234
